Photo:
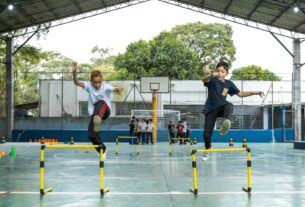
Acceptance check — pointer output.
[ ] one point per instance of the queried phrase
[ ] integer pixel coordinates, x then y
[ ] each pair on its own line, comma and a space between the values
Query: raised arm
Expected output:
74, 73
250, 93
207, 78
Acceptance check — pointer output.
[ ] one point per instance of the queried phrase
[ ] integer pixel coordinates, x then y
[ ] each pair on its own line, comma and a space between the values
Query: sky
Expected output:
119, 28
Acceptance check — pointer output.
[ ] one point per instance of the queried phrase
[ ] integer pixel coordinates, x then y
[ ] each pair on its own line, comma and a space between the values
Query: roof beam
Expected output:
5, 23
78, 6
254, 9
25, 15
281, 14
50, 9
228, 6
103, 2
299, 25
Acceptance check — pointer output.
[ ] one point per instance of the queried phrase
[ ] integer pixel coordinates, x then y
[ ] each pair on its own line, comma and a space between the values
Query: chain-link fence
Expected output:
53, 94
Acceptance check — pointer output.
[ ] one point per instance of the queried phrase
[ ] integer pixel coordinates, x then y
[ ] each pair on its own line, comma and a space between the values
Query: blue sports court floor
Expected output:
153, 179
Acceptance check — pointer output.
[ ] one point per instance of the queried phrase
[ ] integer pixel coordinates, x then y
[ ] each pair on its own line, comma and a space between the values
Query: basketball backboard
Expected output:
157, 84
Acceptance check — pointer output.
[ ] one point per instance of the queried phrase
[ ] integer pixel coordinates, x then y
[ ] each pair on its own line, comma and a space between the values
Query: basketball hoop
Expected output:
154, 85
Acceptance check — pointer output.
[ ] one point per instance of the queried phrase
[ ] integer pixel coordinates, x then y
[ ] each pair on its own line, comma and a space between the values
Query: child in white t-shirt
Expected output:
150, 128
99, 103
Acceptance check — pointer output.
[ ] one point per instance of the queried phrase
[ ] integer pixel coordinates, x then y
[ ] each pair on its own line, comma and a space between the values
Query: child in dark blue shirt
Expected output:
216, 104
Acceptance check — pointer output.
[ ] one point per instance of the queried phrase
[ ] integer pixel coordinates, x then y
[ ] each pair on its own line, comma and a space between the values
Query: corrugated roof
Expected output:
275, 13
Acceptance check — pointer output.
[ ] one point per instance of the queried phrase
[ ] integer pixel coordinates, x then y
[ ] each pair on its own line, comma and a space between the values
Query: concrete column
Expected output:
296, 89
9, 89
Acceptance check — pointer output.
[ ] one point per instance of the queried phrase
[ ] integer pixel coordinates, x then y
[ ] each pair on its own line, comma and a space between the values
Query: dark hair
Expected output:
223, 64
96, 73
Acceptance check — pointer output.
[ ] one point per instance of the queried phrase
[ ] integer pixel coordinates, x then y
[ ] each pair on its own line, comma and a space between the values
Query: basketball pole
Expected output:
154, 117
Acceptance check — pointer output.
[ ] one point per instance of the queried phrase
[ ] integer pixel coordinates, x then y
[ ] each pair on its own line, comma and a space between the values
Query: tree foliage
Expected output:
164, 55
25, 79
254, 72
211, 42
103, 61
186, 52
136, 60
170, 57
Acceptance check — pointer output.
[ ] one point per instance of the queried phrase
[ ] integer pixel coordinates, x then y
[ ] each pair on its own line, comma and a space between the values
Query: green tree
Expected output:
170, 57
211, 42
25, 78
103, 61
24, 63
164, 55
254, 72
136, 60
54, 66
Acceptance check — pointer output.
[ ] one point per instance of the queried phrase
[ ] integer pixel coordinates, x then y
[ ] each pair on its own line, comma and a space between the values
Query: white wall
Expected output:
183, 93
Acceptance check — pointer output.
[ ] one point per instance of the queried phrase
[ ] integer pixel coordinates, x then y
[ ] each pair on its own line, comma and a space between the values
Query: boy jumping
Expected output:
99, 103
216, 104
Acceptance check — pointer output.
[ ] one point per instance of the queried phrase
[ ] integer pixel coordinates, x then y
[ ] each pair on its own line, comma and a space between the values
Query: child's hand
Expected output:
260, 93
74, 66
215, 73
119, 91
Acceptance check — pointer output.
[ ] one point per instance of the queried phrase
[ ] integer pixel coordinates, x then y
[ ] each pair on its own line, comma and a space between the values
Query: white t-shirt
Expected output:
143, 127
95, 95
184, 127
150, 127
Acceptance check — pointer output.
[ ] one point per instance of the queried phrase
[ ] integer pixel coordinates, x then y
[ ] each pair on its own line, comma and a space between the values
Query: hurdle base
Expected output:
44, 192
246, 189
194, 191
103, 192
299, 145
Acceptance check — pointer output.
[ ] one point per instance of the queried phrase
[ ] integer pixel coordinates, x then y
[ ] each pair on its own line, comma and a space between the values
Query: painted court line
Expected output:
153, 193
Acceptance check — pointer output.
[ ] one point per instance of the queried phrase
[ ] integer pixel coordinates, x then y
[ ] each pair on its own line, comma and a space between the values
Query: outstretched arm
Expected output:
250, 93
74, 72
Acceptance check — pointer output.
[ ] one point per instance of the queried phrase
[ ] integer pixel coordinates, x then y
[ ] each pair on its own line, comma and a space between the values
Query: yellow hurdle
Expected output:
195, 183
195, 189
43, 147
70, 146
170, 144
126, 137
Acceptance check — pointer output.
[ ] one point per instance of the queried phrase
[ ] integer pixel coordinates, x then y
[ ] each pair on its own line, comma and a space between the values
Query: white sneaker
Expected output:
225, 127
105, 155
97, 123
205, 157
